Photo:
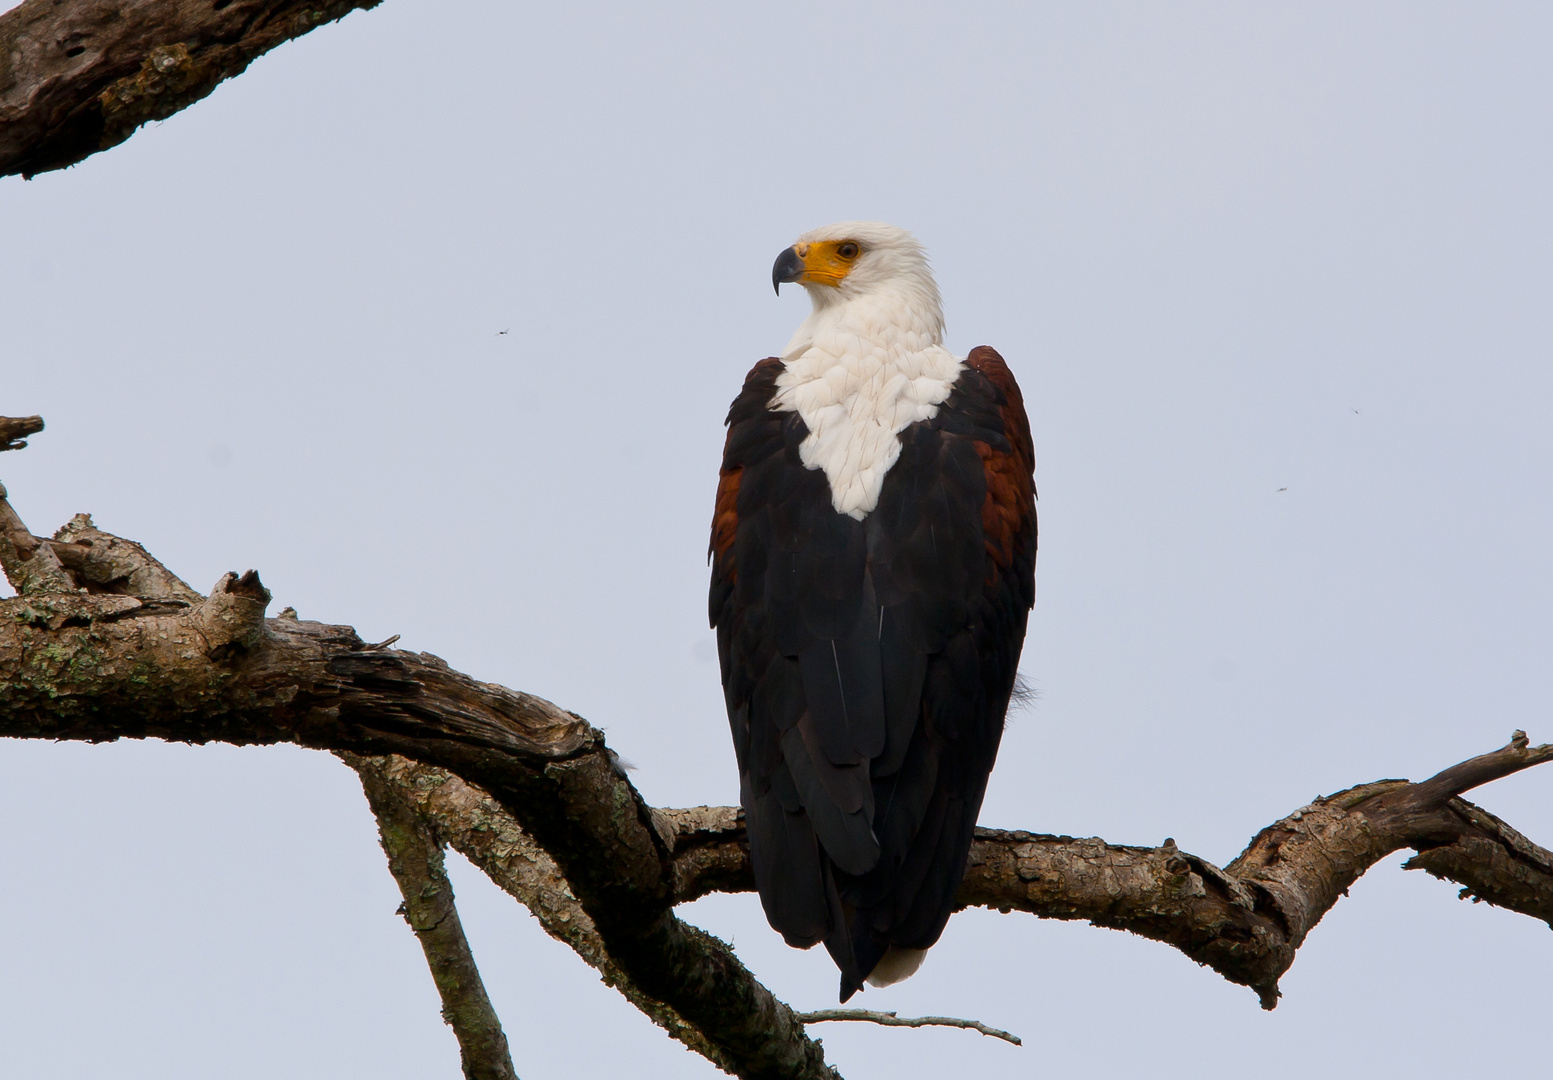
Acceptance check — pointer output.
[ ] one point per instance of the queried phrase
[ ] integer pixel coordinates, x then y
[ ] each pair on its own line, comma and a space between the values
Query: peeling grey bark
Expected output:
80, 77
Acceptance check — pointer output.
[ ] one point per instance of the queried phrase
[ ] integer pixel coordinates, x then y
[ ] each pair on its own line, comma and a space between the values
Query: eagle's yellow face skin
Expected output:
826, 262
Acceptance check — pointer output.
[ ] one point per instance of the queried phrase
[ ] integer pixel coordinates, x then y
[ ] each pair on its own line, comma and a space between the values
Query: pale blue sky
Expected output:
1228, 249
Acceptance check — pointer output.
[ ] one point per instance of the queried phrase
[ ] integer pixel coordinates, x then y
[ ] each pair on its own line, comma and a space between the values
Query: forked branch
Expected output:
415, 859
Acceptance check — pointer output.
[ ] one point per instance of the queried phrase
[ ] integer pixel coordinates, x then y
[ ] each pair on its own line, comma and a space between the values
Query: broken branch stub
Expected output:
102, 562
14, 430
232, 617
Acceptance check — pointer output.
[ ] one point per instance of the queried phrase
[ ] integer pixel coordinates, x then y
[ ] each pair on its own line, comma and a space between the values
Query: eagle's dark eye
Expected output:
847, 250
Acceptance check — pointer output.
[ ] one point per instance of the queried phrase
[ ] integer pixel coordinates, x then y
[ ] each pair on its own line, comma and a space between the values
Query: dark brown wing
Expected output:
867, 666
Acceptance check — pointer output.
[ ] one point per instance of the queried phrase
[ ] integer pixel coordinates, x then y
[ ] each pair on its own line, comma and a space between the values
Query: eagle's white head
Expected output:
870, 358
877, 268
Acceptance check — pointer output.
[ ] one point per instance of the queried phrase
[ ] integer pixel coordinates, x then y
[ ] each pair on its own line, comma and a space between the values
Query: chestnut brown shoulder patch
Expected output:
1008, 512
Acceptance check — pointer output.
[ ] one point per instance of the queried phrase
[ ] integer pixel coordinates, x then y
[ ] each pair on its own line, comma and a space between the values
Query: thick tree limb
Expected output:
1247, 920
80, 77
415, 860
479, 829
1160, 893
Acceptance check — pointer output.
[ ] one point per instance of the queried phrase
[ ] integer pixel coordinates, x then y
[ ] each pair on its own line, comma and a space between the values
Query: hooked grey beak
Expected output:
787, 268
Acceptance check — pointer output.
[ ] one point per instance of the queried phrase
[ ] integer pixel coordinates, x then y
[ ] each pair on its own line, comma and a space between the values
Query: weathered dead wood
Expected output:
415, 859
1245, 921
1163, 893
96, 663
476, 826
106, 665
102, 562
80, 77
1236, 921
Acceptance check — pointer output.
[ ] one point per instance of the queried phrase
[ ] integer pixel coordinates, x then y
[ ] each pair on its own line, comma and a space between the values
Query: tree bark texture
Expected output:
81, 76
477, 827
103, 665
532, 795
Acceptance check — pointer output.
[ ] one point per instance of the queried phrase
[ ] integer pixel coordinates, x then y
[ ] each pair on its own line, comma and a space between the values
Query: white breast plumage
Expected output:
856, 394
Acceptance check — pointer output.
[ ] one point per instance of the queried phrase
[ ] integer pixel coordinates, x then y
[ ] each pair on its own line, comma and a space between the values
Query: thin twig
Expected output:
889, 1019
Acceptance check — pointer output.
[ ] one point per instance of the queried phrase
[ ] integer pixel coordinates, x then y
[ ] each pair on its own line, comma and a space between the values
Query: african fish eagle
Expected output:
873, 567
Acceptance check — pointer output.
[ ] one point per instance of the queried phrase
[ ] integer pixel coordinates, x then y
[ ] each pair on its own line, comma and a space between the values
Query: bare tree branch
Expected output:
1494, 864
80, 77
415, 859
102, 562
889, 1019
107, 665
600, 868
1245, 921
479, 829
